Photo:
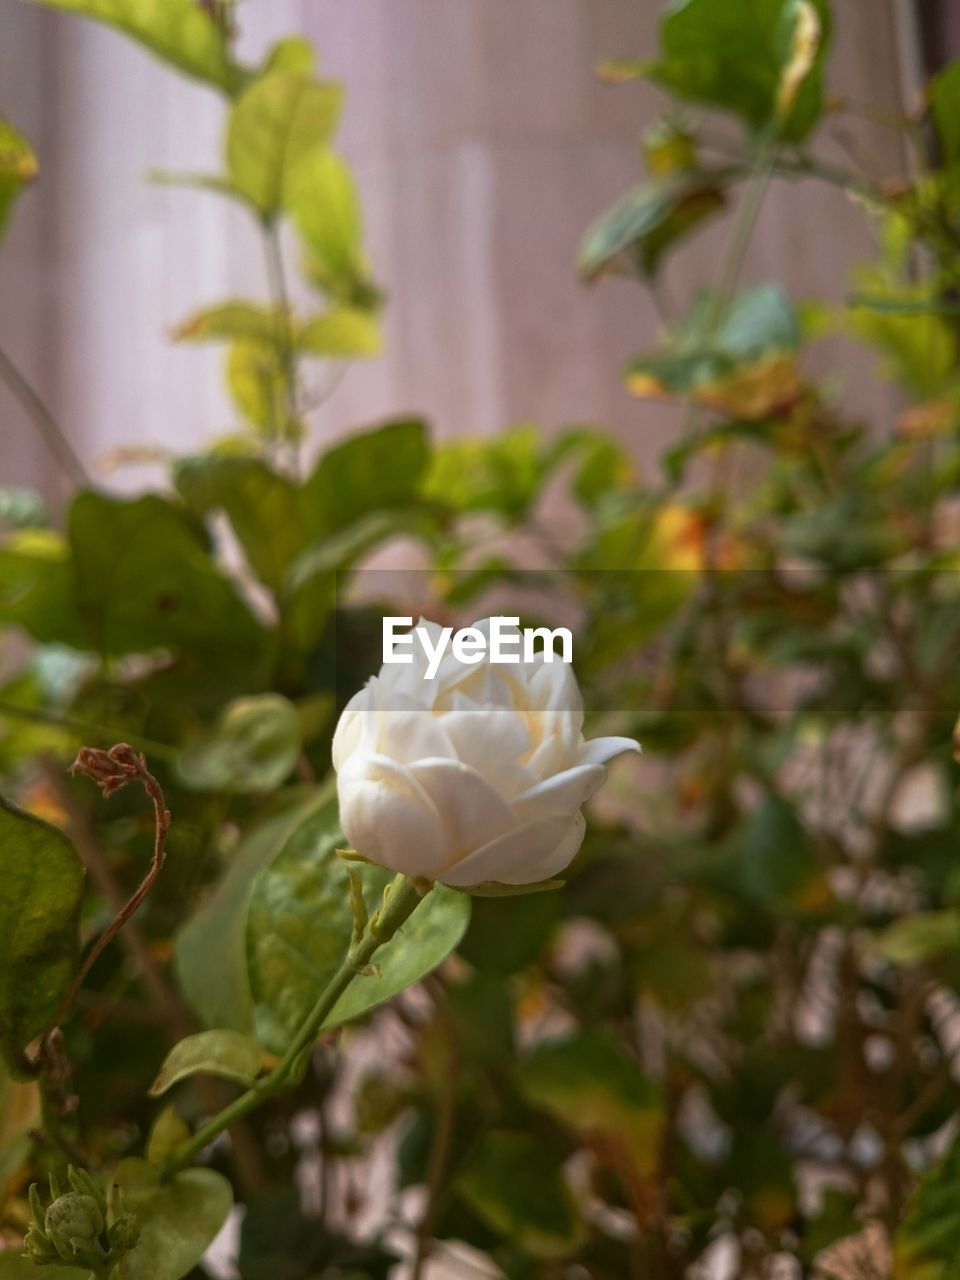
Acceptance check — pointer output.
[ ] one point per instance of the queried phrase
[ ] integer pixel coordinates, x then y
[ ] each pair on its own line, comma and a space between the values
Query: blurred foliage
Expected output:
737, 1022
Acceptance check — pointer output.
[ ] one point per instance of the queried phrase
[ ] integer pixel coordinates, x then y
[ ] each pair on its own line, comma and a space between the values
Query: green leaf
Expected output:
178, 1219
734, 56
168, 1134
513, 1182
230, 321
258, 386
917, 939
178, 31
146, 580
309, 596
945, 107
322, 200
507, 934
254, 747
591, 1085
18, 166
299, 929
292, 53
274, 127
377, 469
342, 332
229, 1054
917, 343
927, 1244
262, 506
37, 590
777, 867
20, 1115
640, 228
745, 367
13, 1266
210, 951
41, 890
504, 474
338, 333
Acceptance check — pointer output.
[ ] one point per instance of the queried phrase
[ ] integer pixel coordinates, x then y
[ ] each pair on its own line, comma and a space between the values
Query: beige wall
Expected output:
483, 144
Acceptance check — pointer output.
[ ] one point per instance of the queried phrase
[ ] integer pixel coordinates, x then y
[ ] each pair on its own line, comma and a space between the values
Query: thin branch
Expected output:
43, 420
112, 770
78, 828
400, 898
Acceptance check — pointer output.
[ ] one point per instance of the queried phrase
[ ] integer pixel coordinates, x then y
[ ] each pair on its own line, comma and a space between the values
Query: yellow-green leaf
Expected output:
180, 32
168, 1134
322, 200
344, 331
220, 1053
276, 123
255, 380
18, 166
178, 1219
230, 321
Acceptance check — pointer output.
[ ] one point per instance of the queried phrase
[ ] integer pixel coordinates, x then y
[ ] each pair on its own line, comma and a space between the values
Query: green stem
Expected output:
736, 253
85, 728
400, 899
280, 296
733, 259
43, 420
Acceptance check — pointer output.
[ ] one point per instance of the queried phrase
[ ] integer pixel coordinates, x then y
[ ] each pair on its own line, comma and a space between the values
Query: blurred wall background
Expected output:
483, 144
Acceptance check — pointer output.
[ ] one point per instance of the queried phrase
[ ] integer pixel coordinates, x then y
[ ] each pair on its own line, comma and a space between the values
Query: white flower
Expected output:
477, 775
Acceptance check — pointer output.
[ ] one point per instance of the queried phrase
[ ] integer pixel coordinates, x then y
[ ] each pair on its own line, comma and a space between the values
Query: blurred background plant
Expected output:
730, 1041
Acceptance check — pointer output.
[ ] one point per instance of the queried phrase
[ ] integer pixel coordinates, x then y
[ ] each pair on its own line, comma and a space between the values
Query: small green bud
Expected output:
36, 1206
38, 1248
74, 1228
124, 1233
73, 1217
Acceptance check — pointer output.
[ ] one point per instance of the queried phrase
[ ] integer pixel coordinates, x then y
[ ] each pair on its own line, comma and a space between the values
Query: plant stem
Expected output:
43, 420
746, 220
444, 1118
112, 770
285, 345
400, 899
79, 829
84, 728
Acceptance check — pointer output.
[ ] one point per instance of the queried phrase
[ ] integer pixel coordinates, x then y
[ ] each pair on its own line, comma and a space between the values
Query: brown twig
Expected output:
112, 770
79, 830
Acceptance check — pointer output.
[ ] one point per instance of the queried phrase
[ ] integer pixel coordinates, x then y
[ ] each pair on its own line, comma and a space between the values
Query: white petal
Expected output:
470, 809
388, 817
349, 731
600, 750
494, 742
560, 795
409, 735
535, 851
558, 743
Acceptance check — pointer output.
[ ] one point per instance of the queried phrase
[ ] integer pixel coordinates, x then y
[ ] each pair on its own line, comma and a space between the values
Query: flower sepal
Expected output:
494, 889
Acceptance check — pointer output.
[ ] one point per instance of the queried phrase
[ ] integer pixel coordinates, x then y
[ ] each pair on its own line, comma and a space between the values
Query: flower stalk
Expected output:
400, 898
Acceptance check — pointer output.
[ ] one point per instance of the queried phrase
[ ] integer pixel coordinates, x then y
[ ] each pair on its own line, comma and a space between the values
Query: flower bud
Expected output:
73, 1229
473, 776
124, 1233
73, 1224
